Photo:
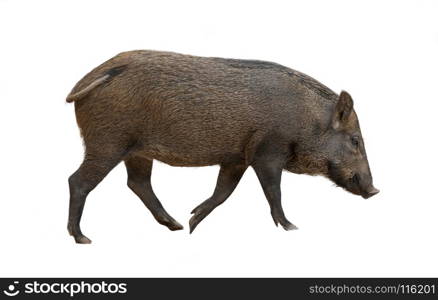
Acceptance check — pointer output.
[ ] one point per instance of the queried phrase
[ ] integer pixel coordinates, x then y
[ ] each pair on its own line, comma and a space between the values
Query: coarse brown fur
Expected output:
195, 111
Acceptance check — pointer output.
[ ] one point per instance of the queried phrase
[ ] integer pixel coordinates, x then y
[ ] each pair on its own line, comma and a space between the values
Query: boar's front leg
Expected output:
139, 181
229, 177
269, 173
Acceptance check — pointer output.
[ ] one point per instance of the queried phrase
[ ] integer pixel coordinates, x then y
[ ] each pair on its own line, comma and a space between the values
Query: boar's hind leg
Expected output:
92, 170
139, 181
269, 174
229, 177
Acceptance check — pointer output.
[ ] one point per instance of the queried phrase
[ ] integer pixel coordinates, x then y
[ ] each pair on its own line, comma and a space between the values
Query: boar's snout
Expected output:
363, 185
360, 183
371, 192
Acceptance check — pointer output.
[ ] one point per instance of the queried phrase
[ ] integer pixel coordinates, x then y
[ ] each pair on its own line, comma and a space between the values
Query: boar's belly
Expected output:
183, 157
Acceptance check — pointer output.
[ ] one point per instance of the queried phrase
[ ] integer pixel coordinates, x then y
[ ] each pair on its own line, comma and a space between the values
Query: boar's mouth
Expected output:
356, 186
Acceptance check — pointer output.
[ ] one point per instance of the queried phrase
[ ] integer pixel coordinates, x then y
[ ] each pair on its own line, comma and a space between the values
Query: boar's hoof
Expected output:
194, 221
289, 226
78, 236
198, 215
285, 224
169, 222
174, 226
82, 239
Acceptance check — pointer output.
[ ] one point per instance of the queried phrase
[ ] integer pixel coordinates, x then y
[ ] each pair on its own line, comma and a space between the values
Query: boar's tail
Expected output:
82, 93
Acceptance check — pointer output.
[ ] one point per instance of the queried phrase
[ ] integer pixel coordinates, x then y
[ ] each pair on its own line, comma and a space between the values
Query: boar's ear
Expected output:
343, 109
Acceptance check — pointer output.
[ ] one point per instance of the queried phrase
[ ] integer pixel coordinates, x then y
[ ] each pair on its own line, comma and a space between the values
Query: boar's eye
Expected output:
355, 141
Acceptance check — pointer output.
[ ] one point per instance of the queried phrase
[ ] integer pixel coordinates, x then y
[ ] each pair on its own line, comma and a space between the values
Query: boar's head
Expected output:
338, 152
347, 163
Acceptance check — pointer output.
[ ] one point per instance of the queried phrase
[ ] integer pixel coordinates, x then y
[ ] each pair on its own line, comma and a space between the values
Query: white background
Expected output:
385, 53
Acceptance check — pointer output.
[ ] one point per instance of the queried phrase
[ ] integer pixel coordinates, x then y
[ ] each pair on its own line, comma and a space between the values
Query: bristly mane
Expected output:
304, 79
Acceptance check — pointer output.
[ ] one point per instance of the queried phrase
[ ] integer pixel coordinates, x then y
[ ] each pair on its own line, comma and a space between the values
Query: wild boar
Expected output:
199, 111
